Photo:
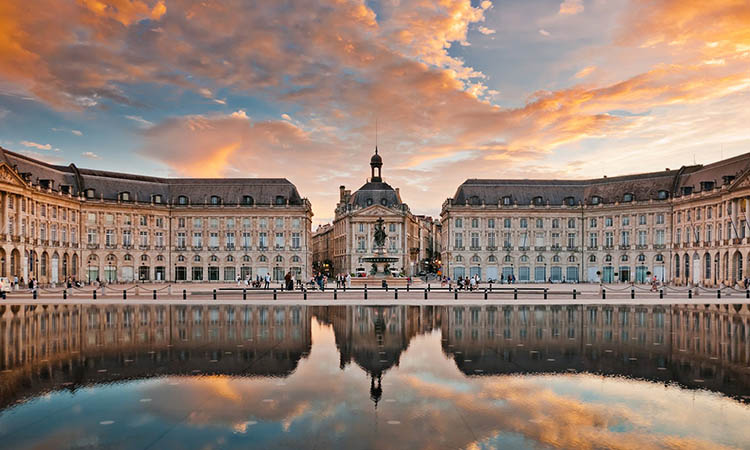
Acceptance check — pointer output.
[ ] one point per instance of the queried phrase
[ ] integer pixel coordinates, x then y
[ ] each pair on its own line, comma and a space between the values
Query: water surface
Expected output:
148, 376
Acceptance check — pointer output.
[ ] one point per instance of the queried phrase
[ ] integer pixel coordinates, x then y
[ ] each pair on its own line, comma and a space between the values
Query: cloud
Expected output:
286, 117
544, 32
586, 71
571, 7
486, 31
91, 155
36, 145
76, 132
140, 121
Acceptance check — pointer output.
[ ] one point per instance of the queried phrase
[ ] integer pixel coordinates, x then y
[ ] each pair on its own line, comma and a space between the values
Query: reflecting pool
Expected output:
265, 376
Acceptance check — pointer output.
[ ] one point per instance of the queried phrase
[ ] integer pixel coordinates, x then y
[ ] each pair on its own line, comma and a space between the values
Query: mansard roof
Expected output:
109, 185
375, 193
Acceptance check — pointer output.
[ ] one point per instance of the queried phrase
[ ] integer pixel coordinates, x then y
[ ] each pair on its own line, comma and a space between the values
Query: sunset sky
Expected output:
293, 88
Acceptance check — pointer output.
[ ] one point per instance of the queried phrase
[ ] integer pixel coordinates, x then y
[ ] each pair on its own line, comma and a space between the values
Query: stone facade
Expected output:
352, 231
65, 221
679, 225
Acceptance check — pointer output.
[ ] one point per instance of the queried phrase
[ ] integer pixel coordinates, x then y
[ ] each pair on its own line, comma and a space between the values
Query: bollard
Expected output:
304, 293
3, 295
515, 294
407, 287
365, 291
428, 287
94, 293
65, 294
575, 293
718, 293
690, 293
214, 294
244, 294
395, 294
485, 294
455, 294
604, 294
661, 293
545, 293
274, 294
124, 294
425, 294
490, 286
154, 294
747, 293
34, 294
184, 294
335, 294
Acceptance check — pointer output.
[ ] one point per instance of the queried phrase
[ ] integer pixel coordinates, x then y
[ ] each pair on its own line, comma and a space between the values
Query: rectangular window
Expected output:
109, 238
660, 219
144, 221
474, 240
230, 240
459, 242
491, 239
296, 241
159, 238
181, 240
474, 223
659, 237
625, 221
160, 222
213, 240
198, 239
625, 237
592, 222
91, 236
143, 238
608, 222
609, 239
197, 222
361, 243
459, 222
263, 240
506, 223
279, 223
392, 227
296, 222
593, 240
181, 222
642, 238
507, 243
539, 239
279, 242
263, 223
246, 240
571, 240
127, 238
361, 228
642, 219
490, 223
213, 222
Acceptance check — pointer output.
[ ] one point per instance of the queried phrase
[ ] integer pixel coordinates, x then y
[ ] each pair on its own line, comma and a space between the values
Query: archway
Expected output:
3, 263
716, 269
55, 268
736, 267
696, 269
15, 263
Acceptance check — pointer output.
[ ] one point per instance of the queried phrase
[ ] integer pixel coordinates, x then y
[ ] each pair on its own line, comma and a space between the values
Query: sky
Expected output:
294, 88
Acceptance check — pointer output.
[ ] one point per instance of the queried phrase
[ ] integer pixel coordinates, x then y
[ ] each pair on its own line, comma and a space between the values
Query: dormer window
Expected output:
570, 201
538, 201
728, 179
369, 202
627, 198
215, 200
280, 200
65, 189
595, 200
474, 200
663, 195
707, 185
182, 200
90, 193
46, 184
157, 198
384, 202
687, 190
247, 200
125, 196
507, 200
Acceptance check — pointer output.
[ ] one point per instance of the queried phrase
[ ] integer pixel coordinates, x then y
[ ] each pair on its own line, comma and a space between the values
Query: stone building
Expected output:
65, 221
354, 226
679, 225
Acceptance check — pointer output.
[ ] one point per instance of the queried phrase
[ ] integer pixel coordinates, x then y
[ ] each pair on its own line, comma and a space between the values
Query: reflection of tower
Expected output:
376, 391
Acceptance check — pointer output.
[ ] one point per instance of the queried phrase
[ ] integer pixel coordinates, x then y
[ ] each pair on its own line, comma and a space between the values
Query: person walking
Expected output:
288, 281
266, 281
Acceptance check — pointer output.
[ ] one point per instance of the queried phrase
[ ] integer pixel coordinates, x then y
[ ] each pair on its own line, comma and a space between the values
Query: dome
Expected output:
375, 193
376, 160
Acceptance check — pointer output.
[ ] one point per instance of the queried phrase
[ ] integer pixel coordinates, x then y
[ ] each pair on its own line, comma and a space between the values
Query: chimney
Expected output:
398, 194
342, 193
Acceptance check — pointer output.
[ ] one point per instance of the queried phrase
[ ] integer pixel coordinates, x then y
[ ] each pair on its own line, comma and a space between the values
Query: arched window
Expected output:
160, 257
508, 259
475, 259
571, 258
507, 200
474, 200
197, 258
215, 200
555, 223
181, 258
182, 200
659, 258
157, 198
90, 193
213, 258
608, 258
127, 257
624, 258
571, 223
592, 258
384, 201
540, 259
144, 257
369, 202
280, 200
247, 200
459, 258
245, 258
491, 258
641, 258
230, 258
556, 258
663, 195
570, 201
279, 259
524, 259
538, 201
262, 258
296, 259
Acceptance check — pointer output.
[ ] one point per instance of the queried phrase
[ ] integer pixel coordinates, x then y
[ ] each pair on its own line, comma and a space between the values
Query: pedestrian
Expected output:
266, 281
288, 281
348, 280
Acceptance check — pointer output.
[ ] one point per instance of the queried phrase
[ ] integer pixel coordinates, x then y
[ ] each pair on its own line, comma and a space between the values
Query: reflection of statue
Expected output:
376, 391
380, 233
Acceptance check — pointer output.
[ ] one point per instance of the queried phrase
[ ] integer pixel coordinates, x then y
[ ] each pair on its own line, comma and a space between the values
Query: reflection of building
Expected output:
61, 221
687, 224
353, 228
698, 346
89, 344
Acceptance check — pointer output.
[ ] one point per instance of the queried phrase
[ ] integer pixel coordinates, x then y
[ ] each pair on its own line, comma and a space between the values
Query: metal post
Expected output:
124, 294
304, 293
335, 294
94, 293
395, 294
747, 293
274, 293
244, 294
428, 287
485, 294
661, 293
575, 293
455, 294
34, 294
425, 294
515, 293
65, 294
214, 294
545, 293
3, 295
604, 294
154, 294
718, 293
690, 293
632, 293
184, 294
407, 287
365, 291
490, 286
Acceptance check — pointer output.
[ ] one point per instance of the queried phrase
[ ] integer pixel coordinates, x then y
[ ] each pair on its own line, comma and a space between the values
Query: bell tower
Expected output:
376, 164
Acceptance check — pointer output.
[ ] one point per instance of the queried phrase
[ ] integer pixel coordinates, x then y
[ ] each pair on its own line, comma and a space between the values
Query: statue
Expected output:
380, 233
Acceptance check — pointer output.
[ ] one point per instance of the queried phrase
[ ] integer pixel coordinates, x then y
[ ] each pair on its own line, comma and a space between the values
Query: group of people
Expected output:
264, 281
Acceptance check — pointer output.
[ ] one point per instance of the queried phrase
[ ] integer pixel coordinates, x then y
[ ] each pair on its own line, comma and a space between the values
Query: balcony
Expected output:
491, 248
110, 246
127, 246
92, 246
736, 241
262, 248
197, 248
592, 248
180, 248
556, 247
475, 248
571, 249
144, 247
540, 248
229, 247
458, 249
279, 247
609, 247
213, 248
641, 247
523, 249
624, 247
659, 246
507, 247
159, 247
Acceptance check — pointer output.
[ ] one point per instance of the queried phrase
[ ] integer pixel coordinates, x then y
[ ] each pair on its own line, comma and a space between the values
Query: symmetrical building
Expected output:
686, 225
350, 239
64, 221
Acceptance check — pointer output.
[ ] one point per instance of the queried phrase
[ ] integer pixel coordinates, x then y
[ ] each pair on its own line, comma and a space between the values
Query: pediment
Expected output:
9, 176
376, 211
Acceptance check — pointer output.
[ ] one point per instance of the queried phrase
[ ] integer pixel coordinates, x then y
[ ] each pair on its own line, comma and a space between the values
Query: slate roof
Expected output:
375, 193
108, 185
